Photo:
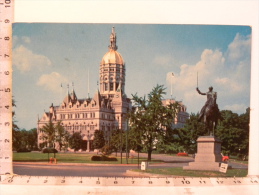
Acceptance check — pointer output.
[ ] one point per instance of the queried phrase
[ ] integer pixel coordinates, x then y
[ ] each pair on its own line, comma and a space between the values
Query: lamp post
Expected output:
88, 141
121, 143
127, 140
172, 75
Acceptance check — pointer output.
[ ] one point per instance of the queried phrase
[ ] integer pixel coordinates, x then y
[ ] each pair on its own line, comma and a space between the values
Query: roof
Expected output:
112, 57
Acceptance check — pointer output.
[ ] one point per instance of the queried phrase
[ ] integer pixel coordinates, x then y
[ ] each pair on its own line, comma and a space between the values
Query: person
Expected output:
211, 100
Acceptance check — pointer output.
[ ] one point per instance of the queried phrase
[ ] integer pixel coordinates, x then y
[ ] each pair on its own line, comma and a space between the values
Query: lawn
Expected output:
178, 171
72, 158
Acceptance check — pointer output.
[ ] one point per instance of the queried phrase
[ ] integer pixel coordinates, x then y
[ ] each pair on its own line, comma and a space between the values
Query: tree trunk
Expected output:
149, 154
138, 159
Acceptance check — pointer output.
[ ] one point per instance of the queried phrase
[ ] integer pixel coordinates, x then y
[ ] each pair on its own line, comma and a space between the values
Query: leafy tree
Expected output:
234, 132
32, 139
117, 141
15, 130
99, 140
152, 118
49, 133
135, 142
75, 141
190, 133
62, 135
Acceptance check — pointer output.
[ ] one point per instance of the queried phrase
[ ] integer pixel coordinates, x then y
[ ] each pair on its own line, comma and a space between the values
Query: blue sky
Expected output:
46, 55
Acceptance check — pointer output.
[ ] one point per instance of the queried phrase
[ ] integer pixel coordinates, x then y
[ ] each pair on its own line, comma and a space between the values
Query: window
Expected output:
111, 86
106, 86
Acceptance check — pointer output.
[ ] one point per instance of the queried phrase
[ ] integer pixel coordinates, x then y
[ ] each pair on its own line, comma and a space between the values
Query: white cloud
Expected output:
240, 48
230, 80
26, 39
52, 81
24, 59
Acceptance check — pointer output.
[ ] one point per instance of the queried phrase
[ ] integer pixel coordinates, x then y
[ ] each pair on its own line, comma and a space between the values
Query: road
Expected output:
84, 170
97, 170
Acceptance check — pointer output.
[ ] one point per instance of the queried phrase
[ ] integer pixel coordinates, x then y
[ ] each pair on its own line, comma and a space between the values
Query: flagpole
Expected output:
172, 85
88, 84
61, 92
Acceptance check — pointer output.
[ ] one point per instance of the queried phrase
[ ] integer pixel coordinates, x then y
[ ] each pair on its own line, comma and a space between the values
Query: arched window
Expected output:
111, 86
106, 86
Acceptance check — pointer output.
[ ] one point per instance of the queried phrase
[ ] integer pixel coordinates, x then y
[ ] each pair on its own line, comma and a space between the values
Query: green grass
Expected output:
178, 171
72, 158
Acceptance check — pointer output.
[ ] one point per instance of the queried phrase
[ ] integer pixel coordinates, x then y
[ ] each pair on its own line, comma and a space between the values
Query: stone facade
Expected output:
182, 114
105, 111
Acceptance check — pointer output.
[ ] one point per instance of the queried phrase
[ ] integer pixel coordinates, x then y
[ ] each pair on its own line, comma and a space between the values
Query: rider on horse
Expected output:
210, 103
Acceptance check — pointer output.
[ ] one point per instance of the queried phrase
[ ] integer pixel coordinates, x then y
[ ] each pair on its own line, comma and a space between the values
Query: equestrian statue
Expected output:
210, 113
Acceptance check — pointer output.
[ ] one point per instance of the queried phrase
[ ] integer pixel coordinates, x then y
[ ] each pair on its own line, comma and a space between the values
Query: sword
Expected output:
197, 79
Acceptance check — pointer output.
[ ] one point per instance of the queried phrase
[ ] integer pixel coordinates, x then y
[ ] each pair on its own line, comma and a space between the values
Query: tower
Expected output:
112, 70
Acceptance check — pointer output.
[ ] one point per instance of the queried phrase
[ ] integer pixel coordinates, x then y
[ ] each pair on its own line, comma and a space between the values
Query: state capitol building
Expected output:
107, 109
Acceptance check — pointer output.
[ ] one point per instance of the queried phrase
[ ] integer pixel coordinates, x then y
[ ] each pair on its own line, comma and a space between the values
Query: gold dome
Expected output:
112, 57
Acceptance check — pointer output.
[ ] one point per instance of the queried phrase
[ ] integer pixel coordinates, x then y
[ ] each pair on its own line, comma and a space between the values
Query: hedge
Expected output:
103, 158
49, 150
23, 150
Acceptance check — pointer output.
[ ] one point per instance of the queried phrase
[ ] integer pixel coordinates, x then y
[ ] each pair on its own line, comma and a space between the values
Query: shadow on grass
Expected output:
175, 161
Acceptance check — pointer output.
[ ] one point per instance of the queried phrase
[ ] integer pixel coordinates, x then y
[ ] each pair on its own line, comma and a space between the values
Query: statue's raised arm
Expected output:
197, 89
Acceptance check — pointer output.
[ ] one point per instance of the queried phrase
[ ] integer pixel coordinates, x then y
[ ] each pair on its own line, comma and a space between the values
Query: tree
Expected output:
233, 130
117, 140
32, 139
152, 118
15, 130
190, 133
49, 133
75, 141
99, 140
62, 135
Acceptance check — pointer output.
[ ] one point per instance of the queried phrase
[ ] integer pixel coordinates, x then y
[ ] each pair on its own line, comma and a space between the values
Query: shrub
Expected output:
103, 158
23, 150
96, 158
49, 150
106, 158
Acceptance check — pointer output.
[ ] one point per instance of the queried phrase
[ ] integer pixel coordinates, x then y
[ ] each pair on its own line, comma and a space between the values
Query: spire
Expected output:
73, 94
97, 98
113, 45
68, 97
67, 89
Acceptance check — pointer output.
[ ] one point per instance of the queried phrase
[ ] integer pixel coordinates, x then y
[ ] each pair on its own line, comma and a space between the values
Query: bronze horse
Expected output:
210, 111
211, 117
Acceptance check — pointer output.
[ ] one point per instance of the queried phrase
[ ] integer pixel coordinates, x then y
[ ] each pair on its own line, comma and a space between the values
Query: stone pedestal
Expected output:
208, 155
